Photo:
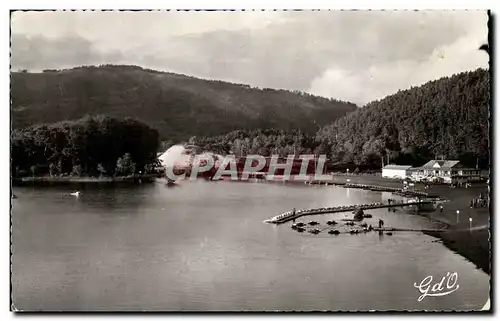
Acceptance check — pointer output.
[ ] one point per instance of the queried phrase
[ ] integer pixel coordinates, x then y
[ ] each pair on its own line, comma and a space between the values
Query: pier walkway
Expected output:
290, 215
376, 188
397, 229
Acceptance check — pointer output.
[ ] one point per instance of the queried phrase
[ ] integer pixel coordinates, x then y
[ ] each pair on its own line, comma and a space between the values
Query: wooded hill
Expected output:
446, 117
178, 106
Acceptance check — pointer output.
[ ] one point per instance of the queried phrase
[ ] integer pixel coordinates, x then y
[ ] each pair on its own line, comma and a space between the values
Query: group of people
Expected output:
460, 184
480, 201
392, 201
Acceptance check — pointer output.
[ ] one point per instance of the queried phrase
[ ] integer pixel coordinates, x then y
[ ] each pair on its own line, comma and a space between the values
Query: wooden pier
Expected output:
289, 216
376, 188
396, 229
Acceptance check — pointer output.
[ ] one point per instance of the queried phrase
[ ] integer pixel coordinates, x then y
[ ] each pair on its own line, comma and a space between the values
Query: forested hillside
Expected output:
178, 106
263, 142
447, 117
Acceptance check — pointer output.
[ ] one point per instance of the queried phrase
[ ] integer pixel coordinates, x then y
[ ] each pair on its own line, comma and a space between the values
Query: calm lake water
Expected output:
204, 246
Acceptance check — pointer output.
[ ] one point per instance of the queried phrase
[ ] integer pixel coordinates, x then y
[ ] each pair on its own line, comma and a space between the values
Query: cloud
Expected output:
38, 52
350, 55
379, 80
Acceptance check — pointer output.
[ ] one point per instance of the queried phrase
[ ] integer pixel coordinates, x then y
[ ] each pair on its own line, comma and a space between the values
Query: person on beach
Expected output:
441, 208
380, 223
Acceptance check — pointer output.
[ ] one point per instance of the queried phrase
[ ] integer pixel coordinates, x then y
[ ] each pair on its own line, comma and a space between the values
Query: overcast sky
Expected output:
356, 56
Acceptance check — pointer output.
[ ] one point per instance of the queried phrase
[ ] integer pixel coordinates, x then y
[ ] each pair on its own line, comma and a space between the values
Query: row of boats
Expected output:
300, 227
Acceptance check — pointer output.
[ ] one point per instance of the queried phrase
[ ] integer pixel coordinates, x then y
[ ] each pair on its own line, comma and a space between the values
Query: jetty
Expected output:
292, 215
397, 229
376, 188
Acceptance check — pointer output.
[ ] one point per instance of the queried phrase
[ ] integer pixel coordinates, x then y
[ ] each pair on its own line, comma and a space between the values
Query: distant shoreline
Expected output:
71, 179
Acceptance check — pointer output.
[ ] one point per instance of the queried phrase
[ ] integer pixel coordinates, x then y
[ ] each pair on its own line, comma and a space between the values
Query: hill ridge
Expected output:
179, 106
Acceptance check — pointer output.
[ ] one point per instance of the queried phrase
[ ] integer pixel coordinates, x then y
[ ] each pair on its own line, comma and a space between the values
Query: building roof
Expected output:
400, 167
441, 164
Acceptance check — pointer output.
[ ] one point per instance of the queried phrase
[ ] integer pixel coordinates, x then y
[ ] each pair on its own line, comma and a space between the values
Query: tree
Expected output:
54, 169
101, 170
77, 170
125, 166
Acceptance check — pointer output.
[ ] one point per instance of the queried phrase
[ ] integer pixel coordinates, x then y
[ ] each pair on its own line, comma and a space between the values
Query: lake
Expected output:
203, 246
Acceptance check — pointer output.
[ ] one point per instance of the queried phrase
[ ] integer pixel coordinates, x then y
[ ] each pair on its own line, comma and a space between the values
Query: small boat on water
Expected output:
300, 229
331, 222
14, 196
334, 232
313, 223
367, 215
314, 231
77, 193
299, 224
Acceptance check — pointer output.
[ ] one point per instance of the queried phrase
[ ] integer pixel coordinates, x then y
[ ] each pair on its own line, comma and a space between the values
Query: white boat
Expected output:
77, 193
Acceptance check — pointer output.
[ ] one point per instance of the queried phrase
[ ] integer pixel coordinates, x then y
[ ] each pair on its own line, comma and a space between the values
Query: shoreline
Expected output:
47, 180
473, 245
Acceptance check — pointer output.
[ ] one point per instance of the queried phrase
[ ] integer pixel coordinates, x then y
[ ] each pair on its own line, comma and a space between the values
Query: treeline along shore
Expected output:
89, 149
52, 180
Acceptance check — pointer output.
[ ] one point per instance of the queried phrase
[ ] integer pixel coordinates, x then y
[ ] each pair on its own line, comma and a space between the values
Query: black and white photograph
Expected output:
250, 160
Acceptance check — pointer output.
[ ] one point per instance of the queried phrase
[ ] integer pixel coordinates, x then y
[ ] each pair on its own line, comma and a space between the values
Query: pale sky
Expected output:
356, 56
